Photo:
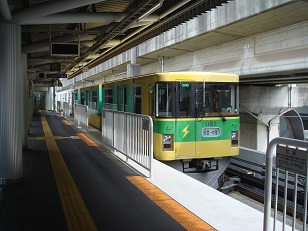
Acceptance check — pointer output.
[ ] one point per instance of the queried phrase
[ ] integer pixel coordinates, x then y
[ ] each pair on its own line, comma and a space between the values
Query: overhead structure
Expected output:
101, 29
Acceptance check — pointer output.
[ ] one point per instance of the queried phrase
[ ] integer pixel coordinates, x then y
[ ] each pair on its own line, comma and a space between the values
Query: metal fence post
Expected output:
268, 179
268, 185
137, 135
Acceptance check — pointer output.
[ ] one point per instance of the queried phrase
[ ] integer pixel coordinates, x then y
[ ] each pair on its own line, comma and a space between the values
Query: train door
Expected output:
82, 97
87, 100
137, 99
73, 98
122, 98
185, 124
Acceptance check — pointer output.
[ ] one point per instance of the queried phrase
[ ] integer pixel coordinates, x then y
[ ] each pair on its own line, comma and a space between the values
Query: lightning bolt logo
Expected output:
185, 131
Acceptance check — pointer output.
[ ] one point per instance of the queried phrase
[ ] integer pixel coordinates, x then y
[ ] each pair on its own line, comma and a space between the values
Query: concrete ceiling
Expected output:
106, 28
285, 15
98, 26
289, 14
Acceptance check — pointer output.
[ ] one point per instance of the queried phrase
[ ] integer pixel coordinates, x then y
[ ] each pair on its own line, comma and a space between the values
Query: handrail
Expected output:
269, 174
66, 110
130, 134
81, 116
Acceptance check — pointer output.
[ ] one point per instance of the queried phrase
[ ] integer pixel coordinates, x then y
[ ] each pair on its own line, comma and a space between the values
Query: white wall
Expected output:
267, 104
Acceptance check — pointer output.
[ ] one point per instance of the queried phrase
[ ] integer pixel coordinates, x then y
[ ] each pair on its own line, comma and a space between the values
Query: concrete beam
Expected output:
83, 17
47, 8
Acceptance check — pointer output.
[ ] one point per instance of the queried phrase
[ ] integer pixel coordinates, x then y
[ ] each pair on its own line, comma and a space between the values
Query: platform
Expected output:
71, 183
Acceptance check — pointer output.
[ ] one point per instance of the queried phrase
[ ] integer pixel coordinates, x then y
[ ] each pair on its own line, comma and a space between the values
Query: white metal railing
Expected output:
93, 105
81, 116
66, 110
291, 161
131, 135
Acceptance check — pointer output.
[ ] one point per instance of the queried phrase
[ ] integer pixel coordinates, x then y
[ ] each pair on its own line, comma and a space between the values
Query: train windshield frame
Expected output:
195, 99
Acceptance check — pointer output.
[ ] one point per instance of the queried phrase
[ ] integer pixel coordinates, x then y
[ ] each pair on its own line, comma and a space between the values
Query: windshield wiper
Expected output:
222, 117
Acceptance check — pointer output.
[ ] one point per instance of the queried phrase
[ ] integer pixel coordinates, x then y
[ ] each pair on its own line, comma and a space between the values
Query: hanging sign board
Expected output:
55, 67
64, 49
31, 75
56, 76
291, 159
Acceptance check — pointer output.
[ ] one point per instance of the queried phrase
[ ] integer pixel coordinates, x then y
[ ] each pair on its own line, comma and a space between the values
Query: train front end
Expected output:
197, 119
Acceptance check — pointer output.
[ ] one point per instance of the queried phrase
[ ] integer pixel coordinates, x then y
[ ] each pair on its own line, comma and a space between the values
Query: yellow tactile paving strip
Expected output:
55, 137
178, 212
76, 213
66, 122
87, 140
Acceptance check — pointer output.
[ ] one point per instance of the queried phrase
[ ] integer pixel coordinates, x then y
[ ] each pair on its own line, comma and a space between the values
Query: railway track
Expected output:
253, 188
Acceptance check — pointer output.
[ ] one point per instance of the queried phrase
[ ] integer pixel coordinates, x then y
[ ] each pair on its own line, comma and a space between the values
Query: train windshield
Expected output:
216, 99
195, 99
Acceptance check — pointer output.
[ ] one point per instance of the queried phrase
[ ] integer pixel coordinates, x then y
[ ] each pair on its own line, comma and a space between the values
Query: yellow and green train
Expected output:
195, 114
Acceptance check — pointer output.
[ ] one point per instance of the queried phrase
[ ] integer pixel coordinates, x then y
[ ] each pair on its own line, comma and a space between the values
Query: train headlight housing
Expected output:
167, 141
234, 138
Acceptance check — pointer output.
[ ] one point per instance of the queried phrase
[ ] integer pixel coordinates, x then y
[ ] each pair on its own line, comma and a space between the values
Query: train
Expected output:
195, 114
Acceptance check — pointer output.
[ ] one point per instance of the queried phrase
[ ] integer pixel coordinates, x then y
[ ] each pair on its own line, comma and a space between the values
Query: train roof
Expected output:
185, 77
198, 76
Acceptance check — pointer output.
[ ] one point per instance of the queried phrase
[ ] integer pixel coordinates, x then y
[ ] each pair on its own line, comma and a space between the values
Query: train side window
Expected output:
108, 98
164, 100
76, 97
122, 99
94, 100
120, 103
82, 97
137, 99
87, 100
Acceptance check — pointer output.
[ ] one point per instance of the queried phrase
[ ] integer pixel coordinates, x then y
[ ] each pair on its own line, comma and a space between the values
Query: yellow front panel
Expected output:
219, 148
183, 150
157, 148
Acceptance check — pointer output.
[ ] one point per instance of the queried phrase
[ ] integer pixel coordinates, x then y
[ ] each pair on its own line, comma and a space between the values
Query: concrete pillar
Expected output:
10, 104
25, 101
49, 99
261, 108
30, 101
133, 69
54, 97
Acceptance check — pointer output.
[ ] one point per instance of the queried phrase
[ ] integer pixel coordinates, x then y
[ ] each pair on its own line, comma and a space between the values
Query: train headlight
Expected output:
166, 142
234, 138
167, 138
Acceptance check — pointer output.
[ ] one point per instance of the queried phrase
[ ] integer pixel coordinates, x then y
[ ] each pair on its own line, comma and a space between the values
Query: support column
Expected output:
54, 97
133, 69
10, 104
31, 102
25, 102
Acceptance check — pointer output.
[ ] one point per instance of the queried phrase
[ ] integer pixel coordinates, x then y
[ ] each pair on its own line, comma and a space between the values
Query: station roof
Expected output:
80, 34
104, 29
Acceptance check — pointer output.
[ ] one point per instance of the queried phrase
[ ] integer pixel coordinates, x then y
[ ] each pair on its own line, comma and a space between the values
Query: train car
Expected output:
195, 114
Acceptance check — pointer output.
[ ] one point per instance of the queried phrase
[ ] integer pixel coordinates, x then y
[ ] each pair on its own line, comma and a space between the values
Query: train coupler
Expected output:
200, 165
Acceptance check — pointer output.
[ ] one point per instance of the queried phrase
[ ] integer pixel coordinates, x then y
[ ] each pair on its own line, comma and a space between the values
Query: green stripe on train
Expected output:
197, 130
